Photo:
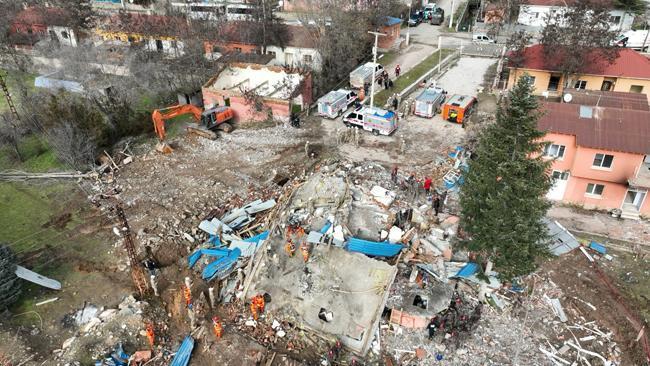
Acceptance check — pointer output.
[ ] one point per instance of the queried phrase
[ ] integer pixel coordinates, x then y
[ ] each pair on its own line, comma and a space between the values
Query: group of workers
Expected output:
413, 186
296, 232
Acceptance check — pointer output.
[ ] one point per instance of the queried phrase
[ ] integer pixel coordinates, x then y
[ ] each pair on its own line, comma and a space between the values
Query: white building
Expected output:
216, 9
535, 13
63, 35
300, 50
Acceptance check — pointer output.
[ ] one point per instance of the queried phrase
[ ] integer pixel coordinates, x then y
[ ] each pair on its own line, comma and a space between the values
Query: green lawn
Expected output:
411, 76
37, 157
387, 58
14, 80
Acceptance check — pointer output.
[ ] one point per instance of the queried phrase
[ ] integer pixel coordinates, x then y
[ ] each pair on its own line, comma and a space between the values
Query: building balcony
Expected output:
642, 178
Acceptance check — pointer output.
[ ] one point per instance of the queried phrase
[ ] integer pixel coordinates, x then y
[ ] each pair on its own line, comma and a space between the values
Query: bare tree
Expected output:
580, 33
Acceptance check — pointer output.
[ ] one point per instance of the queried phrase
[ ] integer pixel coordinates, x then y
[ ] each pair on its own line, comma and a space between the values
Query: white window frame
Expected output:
592, 192
581, 84
601, 166
558, 154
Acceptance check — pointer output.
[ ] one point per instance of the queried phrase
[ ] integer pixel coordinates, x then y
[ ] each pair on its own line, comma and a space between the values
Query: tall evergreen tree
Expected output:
502, 200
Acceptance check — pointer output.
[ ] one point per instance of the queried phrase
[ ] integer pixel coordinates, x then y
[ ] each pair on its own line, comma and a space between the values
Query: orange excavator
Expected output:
208, 120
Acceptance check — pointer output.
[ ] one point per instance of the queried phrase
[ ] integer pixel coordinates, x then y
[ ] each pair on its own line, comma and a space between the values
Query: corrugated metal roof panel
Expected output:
373, 248
610, 128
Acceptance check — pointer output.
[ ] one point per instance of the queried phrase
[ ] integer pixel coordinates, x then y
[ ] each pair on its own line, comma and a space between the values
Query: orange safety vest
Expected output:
218, 328
188, 295
150, 335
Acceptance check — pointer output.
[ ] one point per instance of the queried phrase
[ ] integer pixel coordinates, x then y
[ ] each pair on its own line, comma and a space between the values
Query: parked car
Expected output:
415, 19
482, 38
438, 17
428, 11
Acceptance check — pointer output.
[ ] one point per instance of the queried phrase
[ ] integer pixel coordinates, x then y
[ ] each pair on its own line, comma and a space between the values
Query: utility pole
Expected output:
374, 67
451, 15
10, 102
408, 26
137, 274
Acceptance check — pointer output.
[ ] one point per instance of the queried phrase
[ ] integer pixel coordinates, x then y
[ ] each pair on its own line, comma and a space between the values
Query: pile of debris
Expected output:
97, 329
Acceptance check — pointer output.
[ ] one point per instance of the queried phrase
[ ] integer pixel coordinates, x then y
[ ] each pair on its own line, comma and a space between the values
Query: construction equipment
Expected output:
209, 120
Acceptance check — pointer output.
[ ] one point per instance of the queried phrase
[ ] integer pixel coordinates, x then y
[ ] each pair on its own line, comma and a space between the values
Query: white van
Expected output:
636, 40
482, 38
376, 120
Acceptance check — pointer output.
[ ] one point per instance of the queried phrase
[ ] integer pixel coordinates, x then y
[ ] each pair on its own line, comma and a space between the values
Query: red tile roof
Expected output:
629, 63
40, 15
609, 128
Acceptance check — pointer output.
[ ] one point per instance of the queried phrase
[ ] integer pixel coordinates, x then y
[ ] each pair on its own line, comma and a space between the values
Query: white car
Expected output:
482, 38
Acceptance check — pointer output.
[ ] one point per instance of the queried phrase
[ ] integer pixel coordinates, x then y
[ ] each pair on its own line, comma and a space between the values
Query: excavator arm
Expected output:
159, 116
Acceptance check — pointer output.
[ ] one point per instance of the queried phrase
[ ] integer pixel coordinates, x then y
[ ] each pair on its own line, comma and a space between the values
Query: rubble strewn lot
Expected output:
302, 248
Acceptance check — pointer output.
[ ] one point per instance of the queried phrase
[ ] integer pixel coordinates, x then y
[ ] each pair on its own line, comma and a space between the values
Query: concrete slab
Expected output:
350, 285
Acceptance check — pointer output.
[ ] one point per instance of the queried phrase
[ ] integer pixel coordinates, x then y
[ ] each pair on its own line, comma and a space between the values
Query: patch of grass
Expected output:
26, 211
411, 76
387, 58
16, 80
37, 157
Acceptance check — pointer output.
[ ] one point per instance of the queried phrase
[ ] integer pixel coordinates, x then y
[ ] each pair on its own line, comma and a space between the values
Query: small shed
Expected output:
390, 26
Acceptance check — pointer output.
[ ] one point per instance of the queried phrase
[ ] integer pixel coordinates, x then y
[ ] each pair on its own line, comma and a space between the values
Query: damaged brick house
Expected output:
257, 92
155, 32
37, 23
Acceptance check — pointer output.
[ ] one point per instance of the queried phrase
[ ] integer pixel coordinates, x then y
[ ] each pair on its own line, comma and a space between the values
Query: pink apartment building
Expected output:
600, 156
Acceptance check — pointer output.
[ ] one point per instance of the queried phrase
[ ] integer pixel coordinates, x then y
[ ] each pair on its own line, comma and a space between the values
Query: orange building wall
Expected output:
624, 165
578, 160
230, 47
569, 141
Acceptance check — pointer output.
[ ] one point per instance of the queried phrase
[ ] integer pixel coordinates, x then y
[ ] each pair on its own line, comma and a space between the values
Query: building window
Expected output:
615, 19
530, 79
306, 59
603, 161
558, 175
174, 44
272, 53
554, 151
581, 84
636, 89
159, 45
238, 49
595, 189
554, 83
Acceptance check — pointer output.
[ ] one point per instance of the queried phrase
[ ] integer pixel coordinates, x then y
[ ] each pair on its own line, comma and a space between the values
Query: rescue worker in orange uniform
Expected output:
150, 335
257, 305
290, 248
304, 248
188, 295
217, 326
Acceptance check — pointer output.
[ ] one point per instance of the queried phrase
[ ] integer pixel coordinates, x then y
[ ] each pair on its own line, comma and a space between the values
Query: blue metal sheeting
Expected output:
258, 237
598, 247
373, 248
468, 270
325, 227
222, 266
194, 257
184, 353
